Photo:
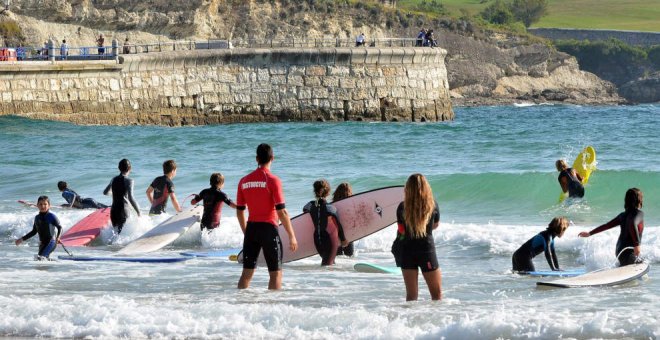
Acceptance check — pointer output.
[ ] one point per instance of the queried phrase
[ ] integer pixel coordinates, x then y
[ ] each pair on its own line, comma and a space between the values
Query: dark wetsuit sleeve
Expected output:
198, 198
32, 232
332, 211
129, 194
611, 224
554, 257
226, 199
57, 224
547, 250
636, 229
400, 223
307, 208
69, 196
108, 188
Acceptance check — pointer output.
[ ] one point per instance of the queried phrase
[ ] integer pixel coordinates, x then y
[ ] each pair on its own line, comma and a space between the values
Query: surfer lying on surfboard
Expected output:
632, 226
44, 224
542, 242
74, 200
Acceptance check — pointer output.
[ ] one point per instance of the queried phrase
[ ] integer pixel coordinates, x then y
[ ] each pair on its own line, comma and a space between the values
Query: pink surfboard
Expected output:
361, 215
87, 229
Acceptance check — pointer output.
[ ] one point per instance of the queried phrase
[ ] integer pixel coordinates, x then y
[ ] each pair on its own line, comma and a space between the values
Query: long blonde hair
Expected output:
418, 205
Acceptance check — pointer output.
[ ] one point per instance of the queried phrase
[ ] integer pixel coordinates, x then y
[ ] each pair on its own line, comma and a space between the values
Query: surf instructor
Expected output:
261, 193
569, 179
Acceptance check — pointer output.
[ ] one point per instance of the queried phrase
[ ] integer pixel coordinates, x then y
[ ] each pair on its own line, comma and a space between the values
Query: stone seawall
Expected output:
239, 85
629, 37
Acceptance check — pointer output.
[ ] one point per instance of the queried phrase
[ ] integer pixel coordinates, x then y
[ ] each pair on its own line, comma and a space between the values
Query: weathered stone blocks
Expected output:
224, 86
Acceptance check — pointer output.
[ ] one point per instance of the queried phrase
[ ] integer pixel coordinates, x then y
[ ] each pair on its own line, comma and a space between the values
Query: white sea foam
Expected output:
523, 104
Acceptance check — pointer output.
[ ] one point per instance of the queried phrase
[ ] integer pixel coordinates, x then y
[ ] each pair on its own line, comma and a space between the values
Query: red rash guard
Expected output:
261, 192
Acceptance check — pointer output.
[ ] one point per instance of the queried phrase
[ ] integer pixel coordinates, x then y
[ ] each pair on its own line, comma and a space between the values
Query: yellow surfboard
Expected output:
584, 164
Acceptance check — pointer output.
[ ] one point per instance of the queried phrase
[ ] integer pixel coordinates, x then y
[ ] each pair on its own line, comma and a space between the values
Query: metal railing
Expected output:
65, 53
60, 53
322, 42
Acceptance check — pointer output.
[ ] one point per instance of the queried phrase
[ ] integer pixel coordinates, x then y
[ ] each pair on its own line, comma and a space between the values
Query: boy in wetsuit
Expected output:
261, 193
325, 236
542, 242
121, 189
628, 246
44, 224
75, 201
162, 188
569, 179
213, 198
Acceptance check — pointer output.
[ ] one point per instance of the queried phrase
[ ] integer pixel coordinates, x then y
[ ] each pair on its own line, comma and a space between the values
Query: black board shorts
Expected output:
426, 261
258, 236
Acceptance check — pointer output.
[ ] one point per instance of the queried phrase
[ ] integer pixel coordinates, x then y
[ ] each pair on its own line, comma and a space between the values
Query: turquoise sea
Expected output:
492, 172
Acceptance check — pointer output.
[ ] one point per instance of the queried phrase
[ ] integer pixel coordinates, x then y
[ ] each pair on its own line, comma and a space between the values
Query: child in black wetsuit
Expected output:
213, 198
325, 235
542, 242
162, 188
628, 246
121, 189
44, 224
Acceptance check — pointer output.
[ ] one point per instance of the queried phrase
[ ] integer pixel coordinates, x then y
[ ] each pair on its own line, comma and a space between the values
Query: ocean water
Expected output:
492, 172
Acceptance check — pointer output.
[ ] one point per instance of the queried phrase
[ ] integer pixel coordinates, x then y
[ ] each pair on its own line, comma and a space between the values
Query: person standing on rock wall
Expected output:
359, 41
127, 46
100, 42
420, 38
430, 39
64, 50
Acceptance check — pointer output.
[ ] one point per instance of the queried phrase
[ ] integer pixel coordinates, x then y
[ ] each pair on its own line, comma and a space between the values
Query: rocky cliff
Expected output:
497, 71
643, 90
483, 67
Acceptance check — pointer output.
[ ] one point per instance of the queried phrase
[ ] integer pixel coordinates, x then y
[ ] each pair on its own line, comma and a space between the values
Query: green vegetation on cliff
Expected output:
613, 59
639, 15
11, 33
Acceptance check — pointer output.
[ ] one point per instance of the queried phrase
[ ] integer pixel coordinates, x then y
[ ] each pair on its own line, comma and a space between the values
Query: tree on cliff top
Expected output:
529, 11
525, 11
497, 13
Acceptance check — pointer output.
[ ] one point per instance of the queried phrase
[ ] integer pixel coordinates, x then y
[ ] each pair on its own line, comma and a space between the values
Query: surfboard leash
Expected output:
186, 200
63, 247
621, 252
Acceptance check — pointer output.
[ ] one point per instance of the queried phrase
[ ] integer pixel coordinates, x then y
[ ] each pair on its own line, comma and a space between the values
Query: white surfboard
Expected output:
555, 273
600, 278
361, 215
164, 233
